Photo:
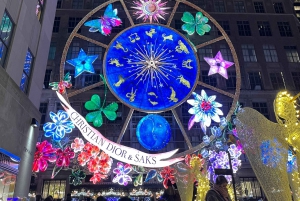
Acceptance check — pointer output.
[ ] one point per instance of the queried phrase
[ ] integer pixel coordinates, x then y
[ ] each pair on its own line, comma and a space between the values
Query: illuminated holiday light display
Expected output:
150, 10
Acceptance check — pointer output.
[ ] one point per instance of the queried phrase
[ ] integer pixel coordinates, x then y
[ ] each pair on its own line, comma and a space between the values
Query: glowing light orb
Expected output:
153, 132
151, 10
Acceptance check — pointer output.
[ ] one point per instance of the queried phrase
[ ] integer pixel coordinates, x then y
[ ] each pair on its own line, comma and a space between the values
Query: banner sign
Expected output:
114, 150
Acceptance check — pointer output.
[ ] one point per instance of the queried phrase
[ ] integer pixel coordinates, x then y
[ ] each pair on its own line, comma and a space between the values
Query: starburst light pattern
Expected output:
150, 9
151, 67
152, 63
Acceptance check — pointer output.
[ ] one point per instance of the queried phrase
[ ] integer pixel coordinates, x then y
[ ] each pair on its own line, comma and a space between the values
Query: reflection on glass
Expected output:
56, 188
7, 184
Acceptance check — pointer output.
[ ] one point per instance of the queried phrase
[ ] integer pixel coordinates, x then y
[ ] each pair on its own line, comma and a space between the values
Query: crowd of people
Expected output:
218, 192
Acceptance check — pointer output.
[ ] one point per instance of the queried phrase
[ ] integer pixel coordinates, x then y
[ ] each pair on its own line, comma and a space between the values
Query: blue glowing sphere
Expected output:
153, 132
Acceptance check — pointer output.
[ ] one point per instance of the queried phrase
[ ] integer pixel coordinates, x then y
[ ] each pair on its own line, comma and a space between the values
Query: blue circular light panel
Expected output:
151, 68
153, 132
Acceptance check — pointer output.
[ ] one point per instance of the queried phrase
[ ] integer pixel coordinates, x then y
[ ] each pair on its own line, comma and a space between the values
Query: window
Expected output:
90, 79
226, 53
98, 2
77, 4
59, 3
94, 49
270, 53
178, 24
52, 50
56, 25
277, 81
250, 186
119, 28
56, 188
205, 51
285, 29
261, 107
219, 6
225, 26
6, 29
47, 78
264, 28
244, 28
39, 8
278, 7
259, 7
73, 21
73, 50
239, 7
255, 80
231, 81
296, 79
249, 53
210, 80
200, 3
26, 72
43, 111
291, 53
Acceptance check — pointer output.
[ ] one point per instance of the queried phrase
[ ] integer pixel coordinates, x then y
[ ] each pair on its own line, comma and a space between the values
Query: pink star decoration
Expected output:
218, 65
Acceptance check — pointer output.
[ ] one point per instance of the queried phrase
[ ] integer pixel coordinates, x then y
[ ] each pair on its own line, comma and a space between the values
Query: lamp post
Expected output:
27, 155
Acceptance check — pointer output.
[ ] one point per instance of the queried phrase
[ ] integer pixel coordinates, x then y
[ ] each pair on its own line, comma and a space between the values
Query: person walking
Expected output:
219, 191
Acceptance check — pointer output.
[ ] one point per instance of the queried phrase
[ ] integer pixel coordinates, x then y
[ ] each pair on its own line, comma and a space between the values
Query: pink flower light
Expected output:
77, 145
168, 173
96, 178
83, 158
44, 153
91, 149
218, 65
64, 156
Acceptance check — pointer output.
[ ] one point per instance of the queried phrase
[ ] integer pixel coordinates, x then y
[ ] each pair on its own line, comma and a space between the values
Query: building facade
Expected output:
265, 35
25, 35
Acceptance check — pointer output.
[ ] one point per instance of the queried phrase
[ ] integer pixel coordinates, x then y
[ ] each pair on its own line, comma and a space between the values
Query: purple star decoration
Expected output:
218, 65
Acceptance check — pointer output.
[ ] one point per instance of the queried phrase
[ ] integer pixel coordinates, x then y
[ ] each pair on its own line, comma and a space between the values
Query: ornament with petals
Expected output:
150, 9
59, 127
218, 65
96, 178
83, 158
122, 172
77, 145
91, 149
64, 157
204, 110
168, 173
44, 153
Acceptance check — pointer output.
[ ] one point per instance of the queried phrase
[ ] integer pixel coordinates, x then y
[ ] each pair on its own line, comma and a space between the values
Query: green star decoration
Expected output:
96, 116
191, 24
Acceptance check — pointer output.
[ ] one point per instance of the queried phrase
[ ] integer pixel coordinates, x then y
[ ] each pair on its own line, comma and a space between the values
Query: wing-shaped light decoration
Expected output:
253, 129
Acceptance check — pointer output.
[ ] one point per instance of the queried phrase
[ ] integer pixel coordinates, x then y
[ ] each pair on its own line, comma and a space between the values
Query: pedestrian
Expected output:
49, 198
219, 191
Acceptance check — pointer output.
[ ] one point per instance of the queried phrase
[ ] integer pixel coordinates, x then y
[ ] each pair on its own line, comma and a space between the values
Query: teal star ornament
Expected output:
83, 63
